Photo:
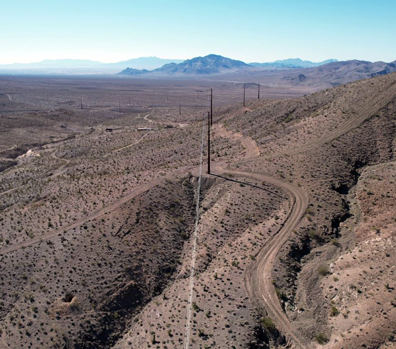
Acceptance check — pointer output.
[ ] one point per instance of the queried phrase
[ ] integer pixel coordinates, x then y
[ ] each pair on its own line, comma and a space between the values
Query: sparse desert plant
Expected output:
321, 338
201, 333
268, 323
281, 294
334, 311
323, 270
195, 306
235, 263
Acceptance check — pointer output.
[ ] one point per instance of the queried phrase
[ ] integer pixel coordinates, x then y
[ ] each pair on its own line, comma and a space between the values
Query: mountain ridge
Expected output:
292, 63
207, 65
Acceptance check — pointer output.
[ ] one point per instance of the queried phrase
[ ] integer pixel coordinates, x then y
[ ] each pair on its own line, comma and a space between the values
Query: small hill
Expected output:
134, 72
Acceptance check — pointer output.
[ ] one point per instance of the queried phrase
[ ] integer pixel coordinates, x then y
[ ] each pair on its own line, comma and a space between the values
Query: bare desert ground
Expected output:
295, 237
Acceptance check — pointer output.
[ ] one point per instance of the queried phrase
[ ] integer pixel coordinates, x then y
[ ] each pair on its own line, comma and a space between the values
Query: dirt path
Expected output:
258, 280
371, 106
95, 214
250, 146
9, 97
130, 145
147, 119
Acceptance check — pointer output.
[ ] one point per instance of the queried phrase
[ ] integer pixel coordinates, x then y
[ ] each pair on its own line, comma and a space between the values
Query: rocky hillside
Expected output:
339, 146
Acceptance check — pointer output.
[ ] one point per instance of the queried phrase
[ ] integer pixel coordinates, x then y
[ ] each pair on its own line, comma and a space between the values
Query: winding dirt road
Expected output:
258, 280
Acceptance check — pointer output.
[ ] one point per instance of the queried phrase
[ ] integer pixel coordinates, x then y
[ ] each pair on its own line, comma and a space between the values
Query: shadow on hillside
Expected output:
248, 184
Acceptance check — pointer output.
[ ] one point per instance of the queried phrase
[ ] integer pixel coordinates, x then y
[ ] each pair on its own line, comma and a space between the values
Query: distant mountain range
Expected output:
79, 66
291, 63
215, 64
212, 64
295, 70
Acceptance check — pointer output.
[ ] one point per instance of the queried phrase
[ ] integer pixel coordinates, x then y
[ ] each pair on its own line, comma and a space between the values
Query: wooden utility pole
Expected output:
258, 91
208, 143
244, 93
180, 109
211, 106
81, 104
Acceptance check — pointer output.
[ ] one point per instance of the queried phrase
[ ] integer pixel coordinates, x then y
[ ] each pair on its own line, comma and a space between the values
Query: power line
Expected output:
211, 106
209, 123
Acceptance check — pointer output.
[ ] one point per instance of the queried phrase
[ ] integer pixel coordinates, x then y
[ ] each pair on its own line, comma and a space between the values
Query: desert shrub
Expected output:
323, 270
334, 311
268, 323
321, 338
281, 295
235, 263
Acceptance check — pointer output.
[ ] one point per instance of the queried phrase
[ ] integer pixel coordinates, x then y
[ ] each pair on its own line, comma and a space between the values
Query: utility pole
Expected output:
81, 104
258, 91
208, 143
211, 106
180, 109
244, 93
167, 97
119, 107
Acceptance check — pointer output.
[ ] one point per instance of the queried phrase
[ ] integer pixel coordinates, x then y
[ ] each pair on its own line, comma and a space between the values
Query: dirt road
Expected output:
258, 280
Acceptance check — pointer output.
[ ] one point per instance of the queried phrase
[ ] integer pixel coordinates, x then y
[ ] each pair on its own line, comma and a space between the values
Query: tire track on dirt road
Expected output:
258, 280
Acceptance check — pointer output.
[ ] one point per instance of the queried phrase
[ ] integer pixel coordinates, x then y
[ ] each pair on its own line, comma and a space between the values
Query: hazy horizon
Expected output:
148, 57
252, 31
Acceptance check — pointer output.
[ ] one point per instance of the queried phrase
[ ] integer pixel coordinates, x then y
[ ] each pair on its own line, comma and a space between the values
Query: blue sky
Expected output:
249, 30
